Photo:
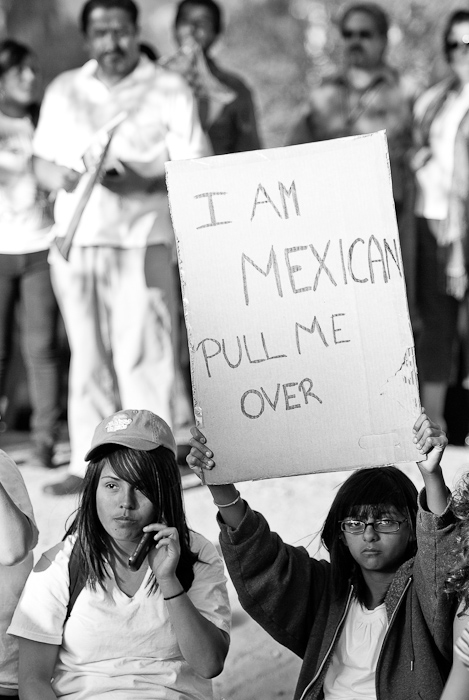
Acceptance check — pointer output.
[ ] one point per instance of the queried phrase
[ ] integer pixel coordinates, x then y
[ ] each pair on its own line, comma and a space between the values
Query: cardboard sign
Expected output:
302, 353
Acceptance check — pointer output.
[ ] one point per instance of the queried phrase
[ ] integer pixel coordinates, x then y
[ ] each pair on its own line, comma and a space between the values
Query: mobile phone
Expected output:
141, 551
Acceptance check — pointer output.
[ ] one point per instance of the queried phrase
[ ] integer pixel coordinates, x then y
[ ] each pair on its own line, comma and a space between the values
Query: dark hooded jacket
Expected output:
290, 595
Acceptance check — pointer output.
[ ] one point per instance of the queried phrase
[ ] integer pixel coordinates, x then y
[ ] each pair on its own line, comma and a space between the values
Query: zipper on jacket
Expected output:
331, 645
395, 611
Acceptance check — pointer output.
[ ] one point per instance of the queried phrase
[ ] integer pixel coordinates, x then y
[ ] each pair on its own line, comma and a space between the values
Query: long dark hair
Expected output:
13, 54
368, 492
157, 476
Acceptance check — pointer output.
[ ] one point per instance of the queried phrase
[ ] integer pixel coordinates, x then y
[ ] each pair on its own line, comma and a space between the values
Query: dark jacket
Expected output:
235, 128
290, 595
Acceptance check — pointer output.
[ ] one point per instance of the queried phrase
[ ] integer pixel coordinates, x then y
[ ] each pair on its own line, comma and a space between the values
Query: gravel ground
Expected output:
257, 668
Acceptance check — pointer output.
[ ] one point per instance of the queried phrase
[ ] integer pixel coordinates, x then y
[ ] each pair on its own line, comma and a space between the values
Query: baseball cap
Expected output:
139, 430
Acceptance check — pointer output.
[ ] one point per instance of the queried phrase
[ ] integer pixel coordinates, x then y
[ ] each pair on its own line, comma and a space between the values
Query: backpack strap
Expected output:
76, 576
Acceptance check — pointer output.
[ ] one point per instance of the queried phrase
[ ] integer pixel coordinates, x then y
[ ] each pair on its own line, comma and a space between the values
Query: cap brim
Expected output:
134, 444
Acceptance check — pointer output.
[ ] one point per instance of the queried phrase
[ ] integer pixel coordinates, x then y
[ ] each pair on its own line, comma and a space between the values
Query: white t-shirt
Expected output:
12, 578
25, 214
115, 646
162, 124
434, 179
351, 675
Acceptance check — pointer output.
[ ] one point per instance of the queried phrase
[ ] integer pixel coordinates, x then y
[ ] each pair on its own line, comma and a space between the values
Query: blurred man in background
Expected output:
368, 95
124, 114
225, 102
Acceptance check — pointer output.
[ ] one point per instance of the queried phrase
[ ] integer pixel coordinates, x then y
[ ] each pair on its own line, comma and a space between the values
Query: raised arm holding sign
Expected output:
302, 360
387, 572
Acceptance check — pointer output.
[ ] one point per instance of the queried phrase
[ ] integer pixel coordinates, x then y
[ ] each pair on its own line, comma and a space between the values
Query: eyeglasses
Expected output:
360, 34
357, 527
454, 45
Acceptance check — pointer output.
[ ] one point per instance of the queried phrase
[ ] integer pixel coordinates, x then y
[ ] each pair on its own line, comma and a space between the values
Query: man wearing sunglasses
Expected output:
367, 95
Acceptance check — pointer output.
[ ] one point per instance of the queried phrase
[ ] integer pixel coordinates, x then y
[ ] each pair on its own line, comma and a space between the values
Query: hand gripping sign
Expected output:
302, 355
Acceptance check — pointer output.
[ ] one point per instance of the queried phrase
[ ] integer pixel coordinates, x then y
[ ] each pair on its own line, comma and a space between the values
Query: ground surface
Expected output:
257, 668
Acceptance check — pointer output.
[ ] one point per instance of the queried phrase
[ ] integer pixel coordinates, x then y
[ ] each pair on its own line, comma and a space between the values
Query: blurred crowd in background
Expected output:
261, 74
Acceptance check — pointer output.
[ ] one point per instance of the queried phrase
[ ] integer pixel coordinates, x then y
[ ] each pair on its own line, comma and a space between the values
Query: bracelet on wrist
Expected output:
170, 597
227, 505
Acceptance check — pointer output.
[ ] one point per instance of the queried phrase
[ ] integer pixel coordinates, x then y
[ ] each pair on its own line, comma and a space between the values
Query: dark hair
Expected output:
210, 5
157, 476
458, 574
368, 492
149, 51
370, 8
13, 54
455, 18
128, 5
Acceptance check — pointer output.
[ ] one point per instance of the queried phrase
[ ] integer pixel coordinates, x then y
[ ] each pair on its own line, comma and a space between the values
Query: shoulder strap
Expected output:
76, 576
428, 106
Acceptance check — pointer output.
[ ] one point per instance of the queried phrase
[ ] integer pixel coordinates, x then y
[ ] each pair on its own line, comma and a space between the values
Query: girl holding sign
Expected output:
375, 621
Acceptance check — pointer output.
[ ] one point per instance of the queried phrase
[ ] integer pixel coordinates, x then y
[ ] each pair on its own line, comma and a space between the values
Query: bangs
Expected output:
156, 474
376, 511
371, 492
12, 54
137, 468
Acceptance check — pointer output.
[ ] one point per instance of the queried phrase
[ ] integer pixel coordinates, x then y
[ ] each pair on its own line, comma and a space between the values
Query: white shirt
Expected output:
12, 578
351, 674
25, 214
162, 124
434, 179
114, 645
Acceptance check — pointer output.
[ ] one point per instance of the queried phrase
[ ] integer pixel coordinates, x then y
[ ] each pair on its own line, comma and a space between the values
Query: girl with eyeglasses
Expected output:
375, 621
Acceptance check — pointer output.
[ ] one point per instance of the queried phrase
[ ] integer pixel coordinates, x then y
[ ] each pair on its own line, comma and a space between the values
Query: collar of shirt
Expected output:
386, 75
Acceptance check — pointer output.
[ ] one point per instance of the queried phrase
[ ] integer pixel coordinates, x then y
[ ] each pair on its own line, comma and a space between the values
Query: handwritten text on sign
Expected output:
295, 300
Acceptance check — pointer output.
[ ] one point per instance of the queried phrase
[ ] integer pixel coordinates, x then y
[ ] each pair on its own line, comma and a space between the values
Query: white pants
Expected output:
119, 330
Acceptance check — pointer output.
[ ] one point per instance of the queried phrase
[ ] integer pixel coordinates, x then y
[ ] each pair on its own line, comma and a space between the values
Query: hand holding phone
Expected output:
141, 551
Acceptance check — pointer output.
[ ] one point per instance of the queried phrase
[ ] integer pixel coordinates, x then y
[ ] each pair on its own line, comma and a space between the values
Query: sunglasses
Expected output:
360, 34
454, 45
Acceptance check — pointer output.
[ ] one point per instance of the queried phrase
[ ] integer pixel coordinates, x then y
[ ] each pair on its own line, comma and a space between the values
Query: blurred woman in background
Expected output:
24, 243
441, 167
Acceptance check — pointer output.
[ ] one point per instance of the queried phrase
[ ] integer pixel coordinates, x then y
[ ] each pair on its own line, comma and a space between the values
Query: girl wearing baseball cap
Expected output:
103, 629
